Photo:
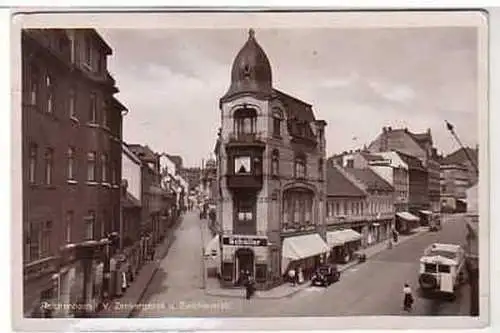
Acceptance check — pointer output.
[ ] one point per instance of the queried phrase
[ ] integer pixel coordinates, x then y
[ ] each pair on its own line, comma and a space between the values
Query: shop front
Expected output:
406, 222
425, 217
343, 244
241, 255
305, 252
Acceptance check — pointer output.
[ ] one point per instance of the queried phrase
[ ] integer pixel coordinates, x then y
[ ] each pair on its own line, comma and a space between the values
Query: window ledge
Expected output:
92, 183
72, 181
115, 186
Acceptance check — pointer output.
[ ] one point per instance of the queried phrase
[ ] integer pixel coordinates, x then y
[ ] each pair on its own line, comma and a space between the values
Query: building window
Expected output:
320, 169
337, 208
93, 109
300, 167
73, 47
71, 163
350, 163
34, 81
345, 208
277, 118
91, 167
32, 163
275, 163
113, 175
72, 104
46, 238
297, 207
242, 165
104, 168
88, 51
69, 223
34, 235
50, 94
245, 121
105, 114
49, 160
89, 225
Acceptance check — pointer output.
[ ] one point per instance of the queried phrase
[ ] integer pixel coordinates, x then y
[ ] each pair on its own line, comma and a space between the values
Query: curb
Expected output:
141, 295
294, 292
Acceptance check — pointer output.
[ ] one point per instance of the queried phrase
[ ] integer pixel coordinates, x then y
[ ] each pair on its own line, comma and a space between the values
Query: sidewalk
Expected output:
124, 307
286, 290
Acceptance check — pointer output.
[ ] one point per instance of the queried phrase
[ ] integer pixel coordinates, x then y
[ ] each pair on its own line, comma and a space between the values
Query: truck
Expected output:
442, 269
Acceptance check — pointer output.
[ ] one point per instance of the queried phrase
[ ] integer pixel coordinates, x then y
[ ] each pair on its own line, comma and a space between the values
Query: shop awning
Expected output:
407, 216
426, 212
340, 237
462, 201
213, 247
301, 247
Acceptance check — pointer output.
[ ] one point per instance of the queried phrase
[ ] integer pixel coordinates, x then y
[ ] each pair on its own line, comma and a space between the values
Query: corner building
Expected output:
271, 176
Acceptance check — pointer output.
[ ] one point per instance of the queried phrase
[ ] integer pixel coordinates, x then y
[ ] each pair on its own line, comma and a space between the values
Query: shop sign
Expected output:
244, 241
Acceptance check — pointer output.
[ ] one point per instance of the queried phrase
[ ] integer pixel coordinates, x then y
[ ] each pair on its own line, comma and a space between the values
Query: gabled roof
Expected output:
370, 179
143, 152
460, 157
338, 185
413, 162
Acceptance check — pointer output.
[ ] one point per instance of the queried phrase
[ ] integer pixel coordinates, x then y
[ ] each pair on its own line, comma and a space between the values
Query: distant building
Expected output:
458, 173
272, 188
419, 145
463, 157
192, 176
72, 132
360, 200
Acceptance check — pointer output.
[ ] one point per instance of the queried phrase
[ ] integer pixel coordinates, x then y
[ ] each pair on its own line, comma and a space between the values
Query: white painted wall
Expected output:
386, 172
131, 172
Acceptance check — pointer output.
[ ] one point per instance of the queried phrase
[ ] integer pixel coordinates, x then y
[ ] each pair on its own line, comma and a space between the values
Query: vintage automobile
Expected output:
442, 269
325, 275
435, 222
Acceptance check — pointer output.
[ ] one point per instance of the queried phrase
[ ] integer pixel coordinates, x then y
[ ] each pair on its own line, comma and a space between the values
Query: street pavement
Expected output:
371, 288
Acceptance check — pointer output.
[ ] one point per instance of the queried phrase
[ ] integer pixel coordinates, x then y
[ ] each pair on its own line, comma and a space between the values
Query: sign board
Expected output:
244, 241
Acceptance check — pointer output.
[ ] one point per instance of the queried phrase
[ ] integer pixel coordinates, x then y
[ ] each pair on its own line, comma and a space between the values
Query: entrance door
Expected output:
244, 262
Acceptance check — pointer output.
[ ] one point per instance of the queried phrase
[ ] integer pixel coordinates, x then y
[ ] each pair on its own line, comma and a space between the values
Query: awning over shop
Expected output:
340, 237
407, 216
426, 212
212, 248
462, 201
301, 247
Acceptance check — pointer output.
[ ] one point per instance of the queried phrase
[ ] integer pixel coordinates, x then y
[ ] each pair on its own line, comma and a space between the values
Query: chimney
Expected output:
429, 131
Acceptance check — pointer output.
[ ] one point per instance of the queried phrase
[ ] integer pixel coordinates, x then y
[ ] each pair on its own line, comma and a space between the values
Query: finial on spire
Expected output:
251, 33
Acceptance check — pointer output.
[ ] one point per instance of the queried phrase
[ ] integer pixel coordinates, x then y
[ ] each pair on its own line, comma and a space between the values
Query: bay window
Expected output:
300, 167
297, 207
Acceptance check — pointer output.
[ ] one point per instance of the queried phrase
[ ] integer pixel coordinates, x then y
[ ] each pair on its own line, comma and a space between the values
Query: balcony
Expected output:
238, 139
244, 181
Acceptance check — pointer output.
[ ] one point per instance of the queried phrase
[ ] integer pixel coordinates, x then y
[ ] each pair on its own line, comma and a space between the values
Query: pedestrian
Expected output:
249, 287
408, 298
300, 276
291, 276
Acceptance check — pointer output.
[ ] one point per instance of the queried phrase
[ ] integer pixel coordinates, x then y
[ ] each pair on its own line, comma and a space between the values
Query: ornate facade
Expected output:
271, 174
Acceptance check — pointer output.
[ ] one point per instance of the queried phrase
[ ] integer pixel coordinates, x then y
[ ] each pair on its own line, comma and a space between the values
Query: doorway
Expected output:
244, 262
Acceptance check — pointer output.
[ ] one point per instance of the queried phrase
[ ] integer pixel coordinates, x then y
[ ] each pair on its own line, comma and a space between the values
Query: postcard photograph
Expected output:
254, 165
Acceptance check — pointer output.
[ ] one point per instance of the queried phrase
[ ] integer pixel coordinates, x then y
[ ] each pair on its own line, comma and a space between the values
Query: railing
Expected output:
39, 267
246, 137
228, 232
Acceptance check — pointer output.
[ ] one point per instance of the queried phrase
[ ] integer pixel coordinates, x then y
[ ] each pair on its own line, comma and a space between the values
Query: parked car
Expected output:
325, 275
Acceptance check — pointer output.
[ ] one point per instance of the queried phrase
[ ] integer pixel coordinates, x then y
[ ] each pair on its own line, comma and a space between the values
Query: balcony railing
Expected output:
248, 181
356, 218
40, 267
246, 137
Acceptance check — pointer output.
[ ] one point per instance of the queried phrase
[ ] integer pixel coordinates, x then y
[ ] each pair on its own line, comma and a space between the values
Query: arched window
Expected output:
300, 166
277, 118
275, 163
245, 121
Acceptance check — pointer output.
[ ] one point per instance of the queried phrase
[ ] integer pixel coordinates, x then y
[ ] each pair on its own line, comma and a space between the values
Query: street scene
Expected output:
208, 178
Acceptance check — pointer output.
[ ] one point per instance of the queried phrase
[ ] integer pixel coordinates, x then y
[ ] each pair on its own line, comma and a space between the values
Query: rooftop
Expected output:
338, 185
370, 179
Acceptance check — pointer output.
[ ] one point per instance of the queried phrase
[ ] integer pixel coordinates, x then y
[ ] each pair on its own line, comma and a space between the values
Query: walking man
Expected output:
408, 298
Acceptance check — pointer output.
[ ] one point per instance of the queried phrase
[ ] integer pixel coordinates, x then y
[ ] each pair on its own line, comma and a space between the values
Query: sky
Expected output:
358, 80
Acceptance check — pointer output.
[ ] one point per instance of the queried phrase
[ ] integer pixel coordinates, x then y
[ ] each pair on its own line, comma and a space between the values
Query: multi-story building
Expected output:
271, 154
72, 131
419, 145
468, 158
454, 184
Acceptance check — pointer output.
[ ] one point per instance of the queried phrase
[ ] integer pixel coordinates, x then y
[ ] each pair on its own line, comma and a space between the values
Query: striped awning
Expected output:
341, 237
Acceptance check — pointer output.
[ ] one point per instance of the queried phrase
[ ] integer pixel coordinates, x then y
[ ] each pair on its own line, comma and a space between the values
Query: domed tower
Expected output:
251, 71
